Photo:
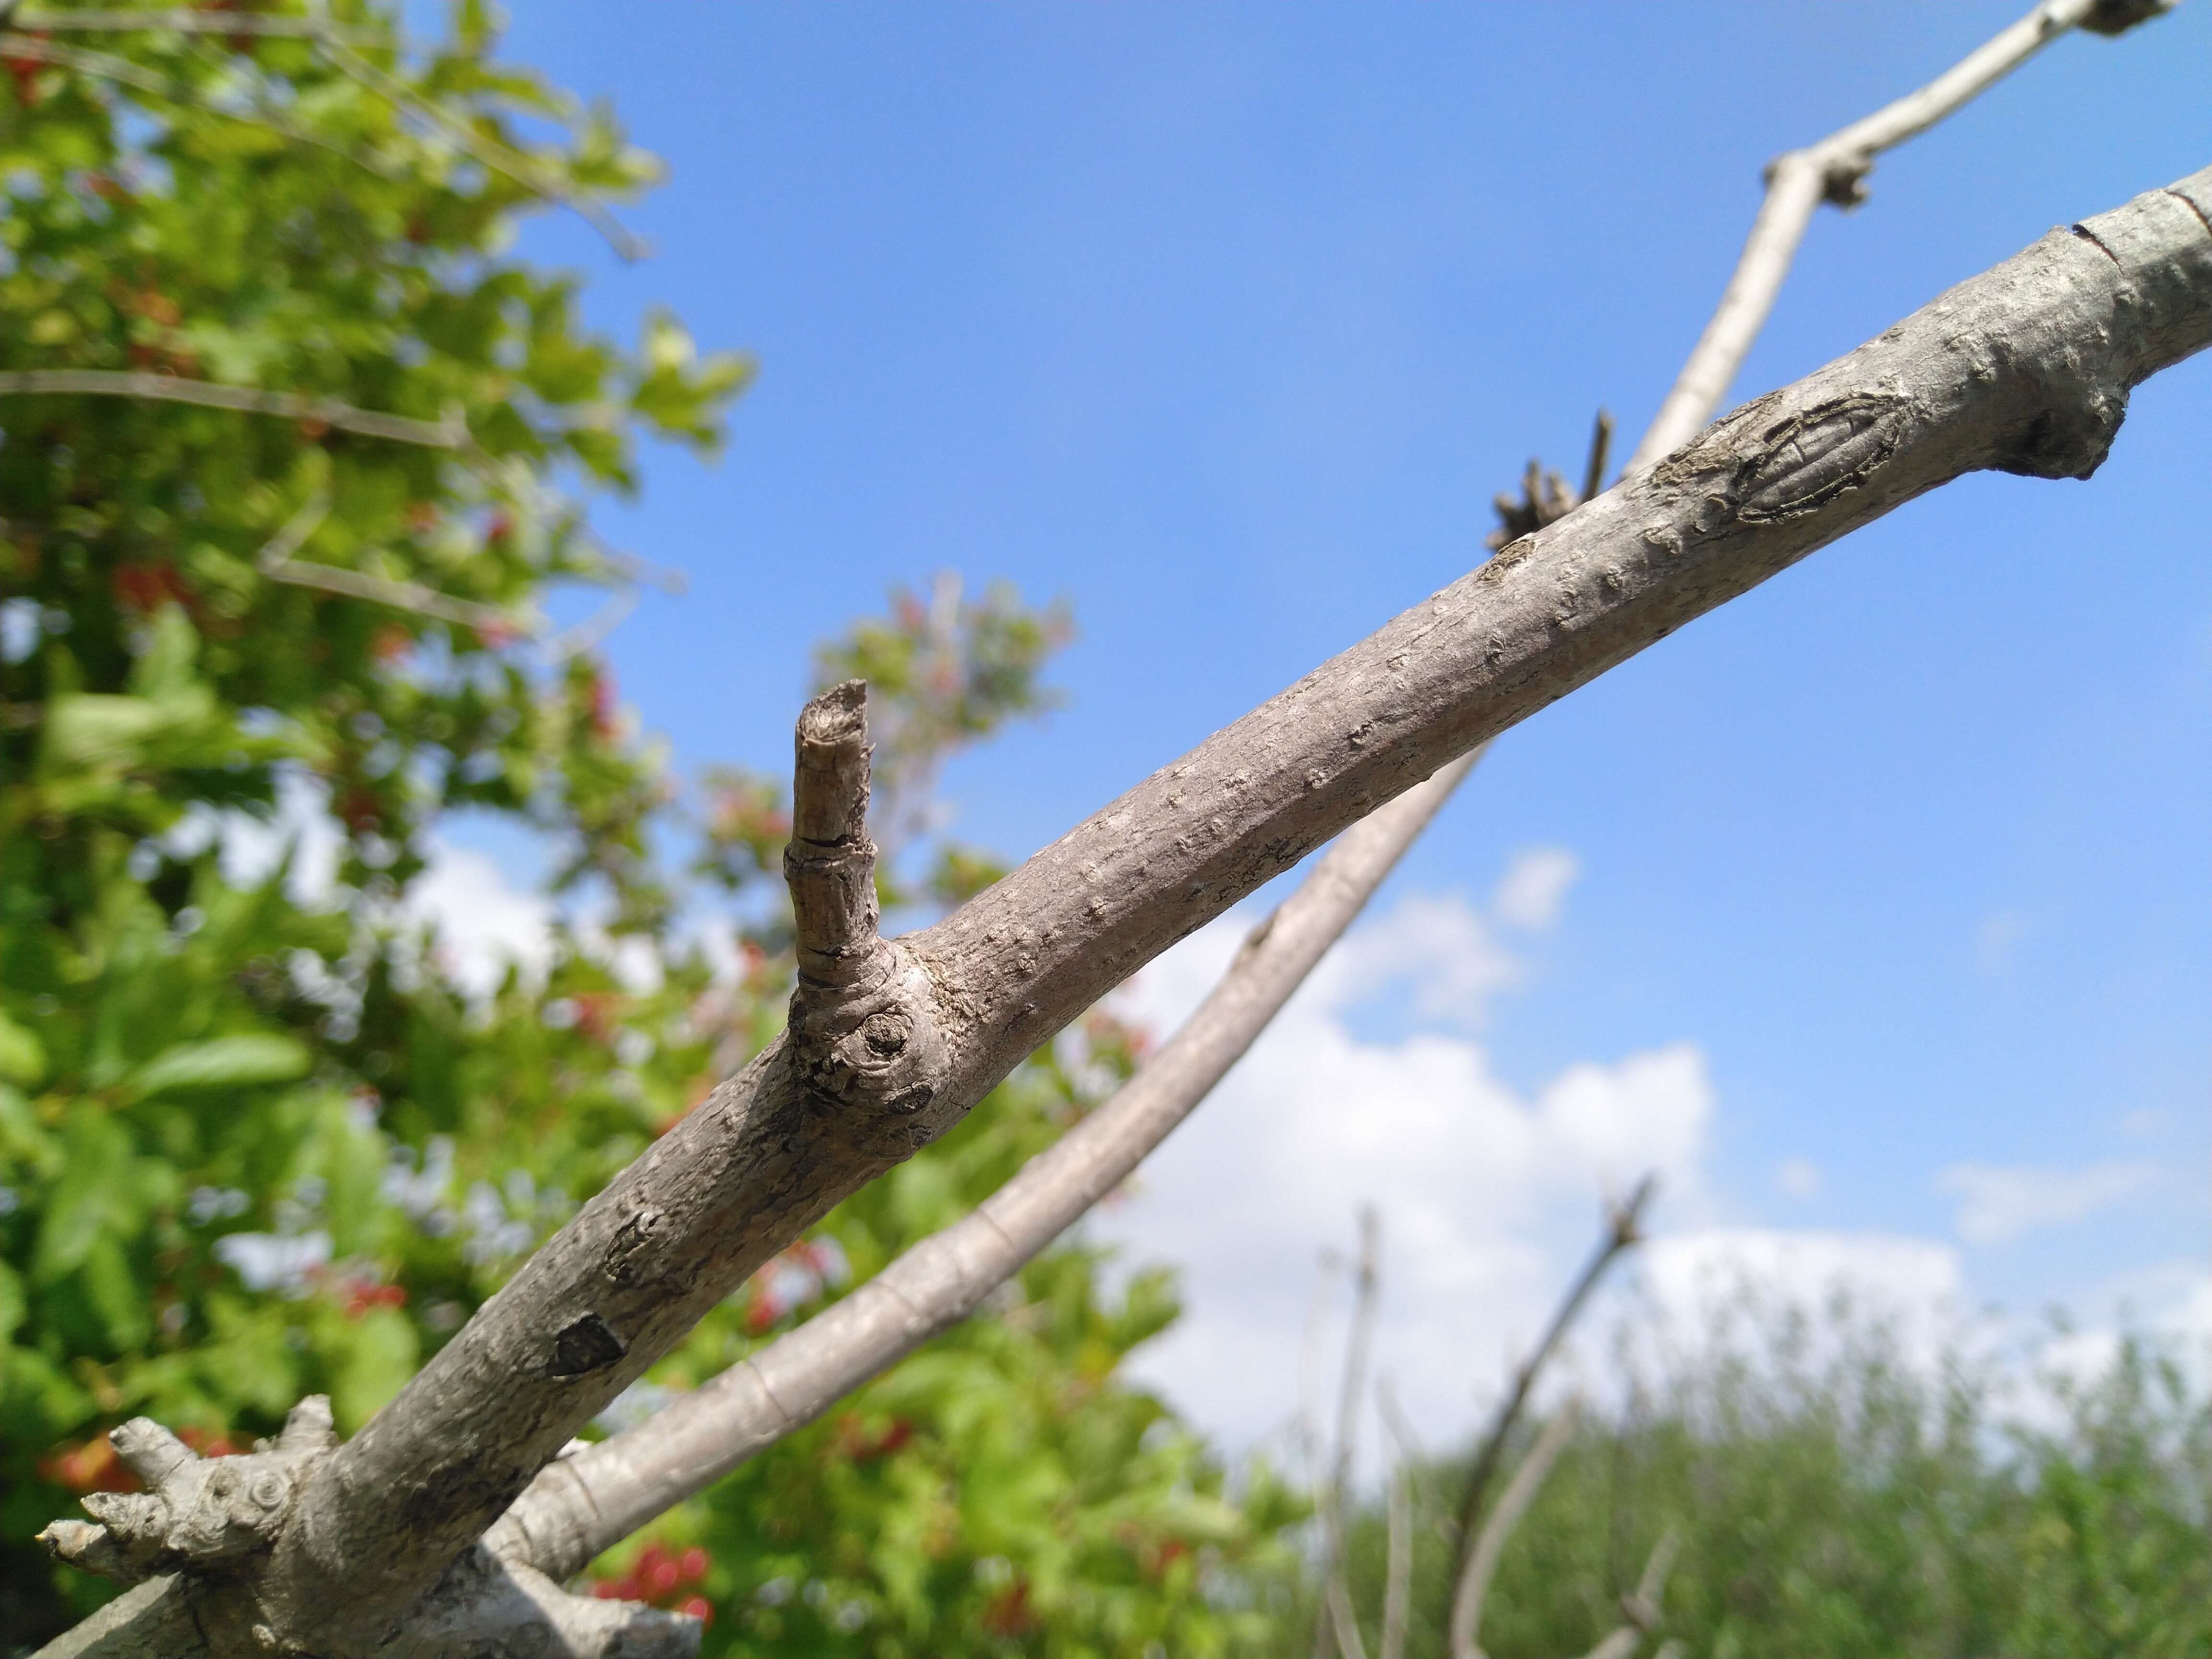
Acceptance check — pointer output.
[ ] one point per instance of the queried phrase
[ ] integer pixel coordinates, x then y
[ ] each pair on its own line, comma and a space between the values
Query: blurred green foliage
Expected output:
1833, 1498
261, 1134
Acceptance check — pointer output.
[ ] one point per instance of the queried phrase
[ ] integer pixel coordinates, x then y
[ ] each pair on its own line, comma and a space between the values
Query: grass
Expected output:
1833, 1501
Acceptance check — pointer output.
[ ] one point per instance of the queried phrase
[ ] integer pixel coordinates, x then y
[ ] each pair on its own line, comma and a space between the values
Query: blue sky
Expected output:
1226, 321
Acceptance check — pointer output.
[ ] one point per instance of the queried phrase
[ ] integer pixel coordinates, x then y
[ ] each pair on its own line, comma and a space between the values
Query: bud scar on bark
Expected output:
863, 1029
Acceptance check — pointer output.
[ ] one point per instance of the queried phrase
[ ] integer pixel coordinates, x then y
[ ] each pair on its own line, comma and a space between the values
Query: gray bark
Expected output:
582, 1504
2023, 369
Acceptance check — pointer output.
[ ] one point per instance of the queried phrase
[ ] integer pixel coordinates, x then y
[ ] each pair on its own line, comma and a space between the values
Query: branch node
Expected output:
830, 864
864, 1028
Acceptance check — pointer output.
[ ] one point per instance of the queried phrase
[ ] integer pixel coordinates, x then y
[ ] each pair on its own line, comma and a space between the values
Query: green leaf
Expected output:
12, 1302
87, 1198
225, 1062
22, 1056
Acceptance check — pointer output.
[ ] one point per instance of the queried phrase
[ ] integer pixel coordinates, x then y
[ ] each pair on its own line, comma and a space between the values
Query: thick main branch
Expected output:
2025, 369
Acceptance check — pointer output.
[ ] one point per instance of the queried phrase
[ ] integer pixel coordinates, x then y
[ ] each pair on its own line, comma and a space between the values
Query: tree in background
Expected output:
260, 1135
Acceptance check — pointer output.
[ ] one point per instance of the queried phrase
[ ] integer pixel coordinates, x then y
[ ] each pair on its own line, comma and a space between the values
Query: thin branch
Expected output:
1472, 1587
1544, 497
102, 65
523, 170
191, 22
1365, 1285
275, 562
1343, 1620
1398, 1563
399, 596
1313, 1444
449, 433
586, 1504
1622, 1230
588, 635
1834, 170
1641, 1608
1600, 447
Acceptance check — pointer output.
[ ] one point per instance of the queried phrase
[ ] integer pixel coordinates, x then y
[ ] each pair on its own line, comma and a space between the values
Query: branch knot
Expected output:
864, 1028
197, 1514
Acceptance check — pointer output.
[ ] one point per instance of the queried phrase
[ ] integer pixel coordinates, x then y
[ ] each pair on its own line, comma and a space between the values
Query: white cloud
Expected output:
1438, 953
250, 848
481, 922
1799, 1177
1998, 1204
1488, 1195
1534, 886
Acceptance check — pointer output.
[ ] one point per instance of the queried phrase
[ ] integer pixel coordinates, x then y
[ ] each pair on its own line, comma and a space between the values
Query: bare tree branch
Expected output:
448, 434
1622, 1230
1398, 1503
1473, 1584
1366, 1281
583, 1505
1641, 1607
200, 1520
2025, 369
275, 562
1835, 170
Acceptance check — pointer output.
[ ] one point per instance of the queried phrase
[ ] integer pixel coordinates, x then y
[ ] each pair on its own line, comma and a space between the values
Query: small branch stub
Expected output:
863, 1027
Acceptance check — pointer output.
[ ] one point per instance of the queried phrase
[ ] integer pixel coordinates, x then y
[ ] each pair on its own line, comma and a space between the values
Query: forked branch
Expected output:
1624, 1230
1835, 170
1472, 1585
588, 1503
2025, 369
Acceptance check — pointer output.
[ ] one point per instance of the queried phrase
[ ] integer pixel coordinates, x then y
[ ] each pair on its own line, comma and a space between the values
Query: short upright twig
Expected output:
864, 1026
